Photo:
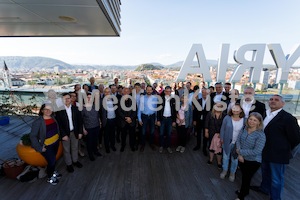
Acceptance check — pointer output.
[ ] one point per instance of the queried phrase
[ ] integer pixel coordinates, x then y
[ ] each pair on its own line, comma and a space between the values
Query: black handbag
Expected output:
233, 152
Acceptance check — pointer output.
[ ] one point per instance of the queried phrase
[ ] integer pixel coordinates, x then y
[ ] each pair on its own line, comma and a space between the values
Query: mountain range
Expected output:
37, 63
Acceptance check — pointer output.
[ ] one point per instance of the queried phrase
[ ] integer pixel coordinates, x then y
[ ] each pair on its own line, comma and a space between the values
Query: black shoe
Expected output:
153, 147
132, 149
209, 162
237, 192
98, 154
257, 189
142, 148
78, 164
92, 158
122, 149
196, 148
70, 168
114, 148
219, 166
107, 151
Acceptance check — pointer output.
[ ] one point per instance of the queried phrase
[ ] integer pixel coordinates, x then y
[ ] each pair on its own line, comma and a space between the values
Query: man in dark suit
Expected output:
166, 118
127, 119
249, 104
70, 125
282, 136
114, 91
92, 85
199, 116
219, 96
101, 96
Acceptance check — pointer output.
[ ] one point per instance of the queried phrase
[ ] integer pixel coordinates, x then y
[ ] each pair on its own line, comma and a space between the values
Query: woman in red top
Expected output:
44, 138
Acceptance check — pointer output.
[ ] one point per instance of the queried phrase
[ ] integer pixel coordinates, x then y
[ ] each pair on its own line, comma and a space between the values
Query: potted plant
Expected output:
5, 109
10, 106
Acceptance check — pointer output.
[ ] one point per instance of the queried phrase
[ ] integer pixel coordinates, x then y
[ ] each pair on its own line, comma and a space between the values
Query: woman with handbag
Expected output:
213, 123
250, 144
231, 127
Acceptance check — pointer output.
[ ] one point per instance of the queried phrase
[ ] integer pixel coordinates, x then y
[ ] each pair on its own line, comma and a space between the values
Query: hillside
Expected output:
38, 63
33, 63
144, 67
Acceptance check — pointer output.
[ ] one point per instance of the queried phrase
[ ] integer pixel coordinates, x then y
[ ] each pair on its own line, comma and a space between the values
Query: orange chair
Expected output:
30, 156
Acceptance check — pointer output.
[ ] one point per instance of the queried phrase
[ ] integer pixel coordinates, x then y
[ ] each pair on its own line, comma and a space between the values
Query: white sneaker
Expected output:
56, 175
52, 180
223, 174
178, 148
161, 149
182, 149
169, 150
231, 177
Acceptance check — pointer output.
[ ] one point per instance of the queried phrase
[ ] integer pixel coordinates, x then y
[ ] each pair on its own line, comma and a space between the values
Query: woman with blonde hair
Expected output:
250, 144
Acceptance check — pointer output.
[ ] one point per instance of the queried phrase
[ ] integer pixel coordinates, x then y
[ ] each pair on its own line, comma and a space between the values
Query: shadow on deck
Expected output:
134, 175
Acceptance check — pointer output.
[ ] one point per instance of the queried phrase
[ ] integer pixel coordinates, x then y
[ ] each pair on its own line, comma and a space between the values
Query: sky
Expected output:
163, 31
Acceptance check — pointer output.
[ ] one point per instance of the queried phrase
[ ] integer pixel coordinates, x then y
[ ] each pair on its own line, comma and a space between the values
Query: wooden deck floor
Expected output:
134, 176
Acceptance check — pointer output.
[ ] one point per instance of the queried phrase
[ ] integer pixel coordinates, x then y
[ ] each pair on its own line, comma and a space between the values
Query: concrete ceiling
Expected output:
48, 18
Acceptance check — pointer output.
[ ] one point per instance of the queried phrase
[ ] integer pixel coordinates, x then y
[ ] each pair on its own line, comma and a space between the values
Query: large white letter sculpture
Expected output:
282, 62
256, 62
255, 65
202, 67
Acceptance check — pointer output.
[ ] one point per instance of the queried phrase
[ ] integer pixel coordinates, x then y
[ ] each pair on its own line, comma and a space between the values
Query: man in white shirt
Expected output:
250, 104
166, 118
282, 136
70, 126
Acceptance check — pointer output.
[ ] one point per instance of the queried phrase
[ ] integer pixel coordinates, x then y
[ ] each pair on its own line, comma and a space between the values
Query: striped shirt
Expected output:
51, 132
251, 145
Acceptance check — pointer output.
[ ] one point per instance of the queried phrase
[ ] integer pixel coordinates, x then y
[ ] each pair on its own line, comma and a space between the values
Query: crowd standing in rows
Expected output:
238, 131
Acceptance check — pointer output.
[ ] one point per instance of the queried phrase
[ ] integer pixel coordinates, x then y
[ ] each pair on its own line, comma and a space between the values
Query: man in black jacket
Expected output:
127, 116
70, 126
166, 118
199, 116
219, 96
282, 136
250, 104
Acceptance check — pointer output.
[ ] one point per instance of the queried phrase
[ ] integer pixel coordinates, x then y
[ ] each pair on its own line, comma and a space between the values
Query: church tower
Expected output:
6, 77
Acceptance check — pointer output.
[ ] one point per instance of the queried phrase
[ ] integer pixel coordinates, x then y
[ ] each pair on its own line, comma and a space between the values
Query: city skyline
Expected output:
164, 31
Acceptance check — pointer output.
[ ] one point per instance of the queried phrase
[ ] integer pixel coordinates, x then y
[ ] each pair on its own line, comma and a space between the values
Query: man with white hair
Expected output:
282, 136
250, 104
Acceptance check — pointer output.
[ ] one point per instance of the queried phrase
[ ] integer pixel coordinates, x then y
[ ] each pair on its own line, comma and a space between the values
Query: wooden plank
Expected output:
134, 175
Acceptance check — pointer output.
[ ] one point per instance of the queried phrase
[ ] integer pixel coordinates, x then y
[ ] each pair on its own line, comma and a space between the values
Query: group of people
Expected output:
239, 131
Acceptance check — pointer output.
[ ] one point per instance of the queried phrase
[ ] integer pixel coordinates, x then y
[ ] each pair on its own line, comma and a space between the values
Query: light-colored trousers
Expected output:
70, 149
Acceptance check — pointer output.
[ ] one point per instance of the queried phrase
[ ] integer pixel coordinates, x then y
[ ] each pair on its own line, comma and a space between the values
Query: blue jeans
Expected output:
166, 124
226, 158
272, 179
148, 120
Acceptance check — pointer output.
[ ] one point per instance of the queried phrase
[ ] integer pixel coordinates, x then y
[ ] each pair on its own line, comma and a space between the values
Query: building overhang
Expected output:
59, 18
